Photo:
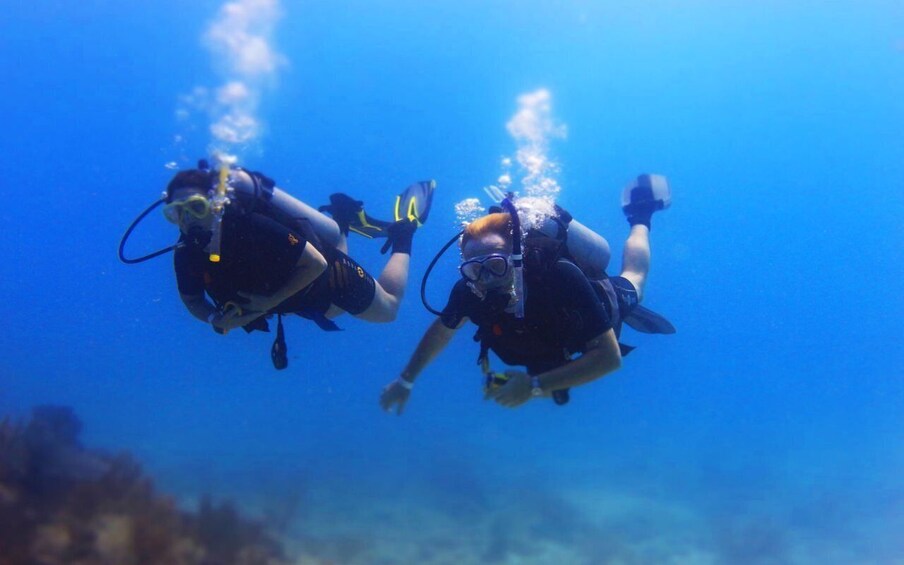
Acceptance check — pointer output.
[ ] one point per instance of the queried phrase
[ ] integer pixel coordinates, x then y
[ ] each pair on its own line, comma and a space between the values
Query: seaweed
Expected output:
63, 503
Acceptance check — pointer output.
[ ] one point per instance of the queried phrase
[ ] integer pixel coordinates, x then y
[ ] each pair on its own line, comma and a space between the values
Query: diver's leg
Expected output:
636, 258
353, 290
342, 243
642, 198
390, 287
356, 292
389, 290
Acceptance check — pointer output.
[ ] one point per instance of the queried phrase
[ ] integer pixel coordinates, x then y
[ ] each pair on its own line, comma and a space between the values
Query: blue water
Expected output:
769, 429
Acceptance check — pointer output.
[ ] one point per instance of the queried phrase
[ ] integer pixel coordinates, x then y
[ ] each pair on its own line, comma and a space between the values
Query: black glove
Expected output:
400, 236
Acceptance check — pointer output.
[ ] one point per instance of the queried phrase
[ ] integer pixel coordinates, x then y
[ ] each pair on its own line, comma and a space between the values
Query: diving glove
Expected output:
399, 236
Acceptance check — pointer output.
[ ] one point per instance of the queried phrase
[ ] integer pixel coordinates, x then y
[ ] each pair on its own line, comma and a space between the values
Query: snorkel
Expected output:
217, 209
517, 257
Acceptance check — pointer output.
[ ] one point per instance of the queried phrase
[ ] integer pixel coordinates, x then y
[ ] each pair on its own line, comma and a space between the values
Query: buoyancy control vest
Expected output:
545, 245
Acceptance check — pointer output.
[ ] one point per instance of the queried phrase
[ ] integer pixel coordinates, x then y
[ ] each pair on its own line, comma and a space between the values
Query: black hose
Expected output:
430, 268
125, 237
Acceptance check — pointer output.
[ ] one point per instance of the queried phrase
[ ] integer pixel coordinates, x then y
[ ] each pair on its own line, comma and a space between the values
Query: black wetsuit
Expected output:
562, 312
258, 257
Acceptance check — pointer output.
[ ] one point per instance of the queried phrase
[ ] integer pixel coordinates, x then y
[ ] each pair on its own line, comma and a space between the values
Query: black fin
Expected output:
649, 322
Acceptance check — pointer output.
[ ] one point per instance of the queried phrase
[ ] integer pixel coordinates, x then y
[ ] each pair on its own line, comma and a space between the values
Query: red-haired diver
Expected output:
543, 301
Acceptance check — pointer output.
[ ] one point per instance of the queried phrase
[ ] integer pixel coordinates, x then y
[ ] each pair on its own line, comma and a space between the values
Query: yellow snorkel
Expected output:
218, 208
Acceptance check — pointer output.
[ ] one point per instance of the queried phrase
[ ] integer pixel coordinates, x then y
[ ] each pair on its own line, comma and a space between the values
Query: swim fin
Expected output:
369, 227
350, 215
648, 322
414, 203
644, 196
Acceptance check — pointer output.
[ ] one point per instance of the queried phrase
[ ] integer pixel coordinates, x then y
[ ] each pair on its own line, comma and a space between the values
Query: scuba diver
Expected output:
540, 298
248, 250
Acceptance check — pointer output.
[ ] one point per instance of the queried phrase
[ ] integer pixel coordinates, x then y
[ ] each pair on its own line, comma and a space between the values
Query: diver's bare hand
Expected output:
395, 394
515, 392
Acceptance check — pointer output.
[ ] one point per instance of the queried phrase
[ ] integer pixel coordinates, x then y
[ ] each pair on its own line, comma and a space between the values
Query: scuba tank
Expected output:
254, 192
588, 249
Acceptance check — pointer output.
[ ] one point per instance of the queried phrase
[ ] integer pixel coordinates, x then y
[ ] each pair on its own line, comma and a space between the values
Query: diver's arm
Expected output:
200, 307
310, 265
435, 339
222, 322
601, 357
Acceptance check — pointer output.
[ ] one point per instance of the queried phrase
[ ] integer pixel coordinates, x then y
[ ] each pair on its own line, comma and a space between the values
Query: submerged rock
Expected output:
63, 503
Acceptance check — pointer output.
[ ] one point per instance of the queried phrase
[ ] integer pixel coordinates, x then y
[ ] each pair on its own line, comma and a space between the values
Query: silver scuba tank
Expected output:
283, 204
589, 249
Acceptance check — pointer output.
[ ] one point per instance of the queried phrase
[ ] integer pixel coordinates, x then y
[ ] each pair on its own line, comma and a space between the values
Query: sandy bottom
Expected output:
382, 521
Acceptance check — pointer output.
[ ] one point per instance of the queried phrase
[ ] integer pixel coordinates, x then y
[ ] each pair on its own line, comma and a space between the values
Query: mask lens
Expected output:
173, 212
496, 266
471, 270
197, 206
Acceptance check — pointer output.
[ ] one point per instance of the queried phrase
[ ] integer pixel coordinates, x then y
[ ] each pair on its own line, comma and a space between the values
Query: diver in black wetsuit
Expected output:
266, 264
565, 313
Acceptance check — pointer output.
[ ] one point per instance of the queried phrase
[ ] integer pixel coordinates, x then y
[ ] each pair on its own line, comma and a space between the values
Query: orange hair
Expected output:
499, 224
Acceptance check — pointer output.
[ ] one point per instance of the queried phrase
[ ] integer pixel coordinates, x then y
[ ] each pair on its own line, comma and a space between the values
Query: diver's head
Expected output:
187, 201
486, 249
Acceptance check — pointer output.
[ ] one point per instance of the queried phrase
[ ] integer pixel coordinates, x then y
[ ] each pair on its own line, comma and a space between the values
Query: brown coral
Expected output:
62, 503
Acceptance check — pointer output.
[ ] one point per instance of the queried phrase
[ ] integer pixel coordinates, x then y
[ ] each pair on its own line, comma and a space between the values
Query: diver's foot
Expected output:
400, 236
350, 215
644, 196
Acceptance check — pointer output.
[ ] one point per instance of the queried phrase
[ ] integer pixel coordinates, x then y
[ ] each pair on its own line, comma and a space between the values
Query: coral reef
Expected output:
63, 503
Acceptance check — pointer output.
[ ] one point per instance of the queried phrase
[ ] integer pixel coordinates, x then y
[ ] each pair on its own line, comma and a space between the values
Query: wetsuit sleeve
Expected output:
456, 309
578, 296
189, 277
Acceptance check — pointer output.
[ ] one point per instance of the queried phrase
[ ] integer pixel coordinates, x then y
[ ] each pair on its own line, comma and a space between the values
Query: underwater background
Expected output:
769, 429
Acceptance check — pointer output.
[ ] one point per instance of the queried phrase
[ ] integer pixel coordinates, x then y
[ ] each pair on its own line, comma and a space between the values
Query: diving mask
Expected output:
486, 267
196, 205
